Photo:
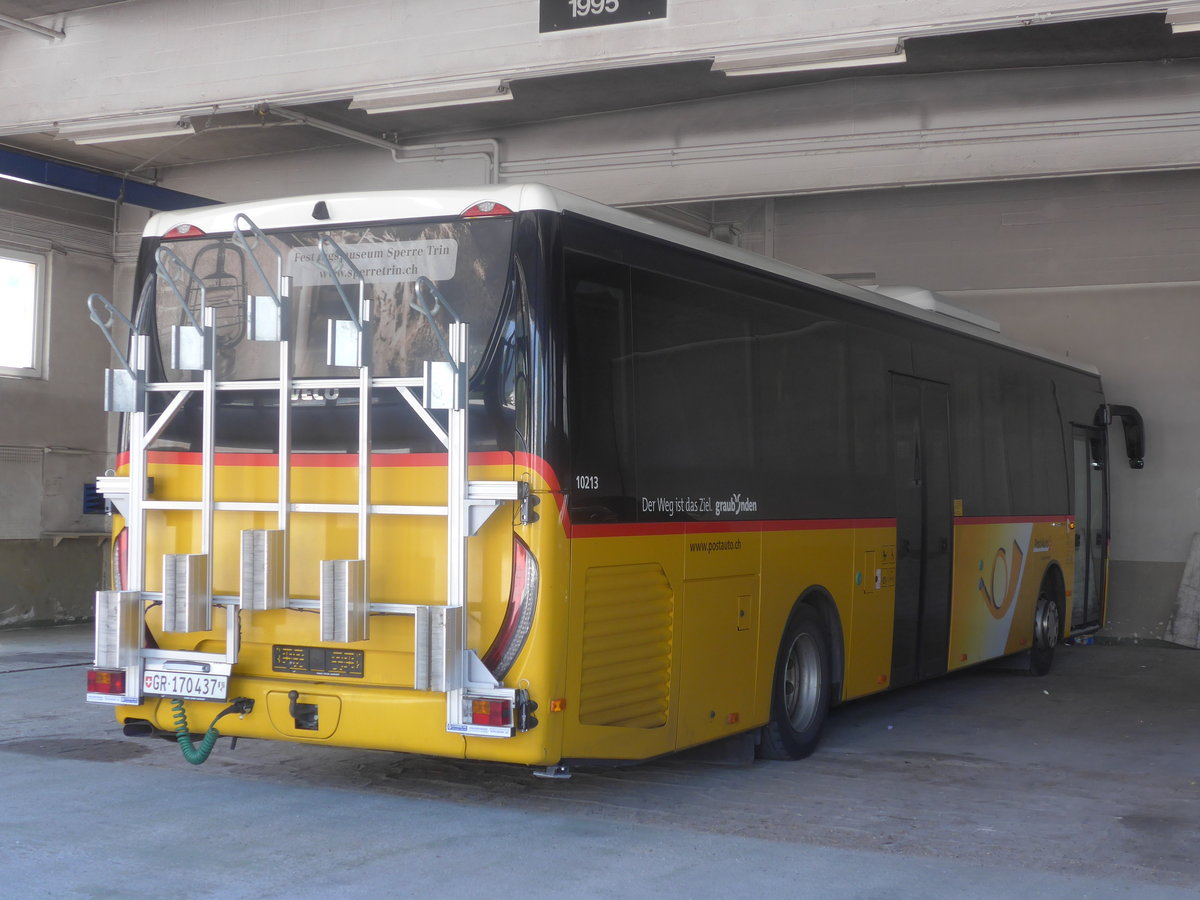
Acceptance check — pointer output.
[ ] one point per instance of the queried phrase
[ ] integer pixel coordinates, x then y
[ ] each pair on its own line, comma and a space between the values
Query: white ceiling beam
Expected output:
30, 28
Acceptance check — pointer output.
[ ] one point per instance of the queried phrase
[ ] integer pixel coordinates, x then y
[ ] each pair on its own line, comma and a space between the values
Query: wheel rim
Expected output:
802, 681
1046, 623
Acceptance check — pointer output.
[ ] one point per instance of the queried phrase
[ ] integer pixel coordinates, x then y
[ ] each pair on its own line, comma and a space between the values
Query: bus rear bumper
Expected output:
337, 714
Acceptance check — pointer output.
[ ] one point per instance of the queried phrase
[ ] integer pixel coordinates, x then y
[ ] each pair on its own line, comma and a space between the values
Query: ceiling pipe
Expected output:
488, 148
489, 151
31, 28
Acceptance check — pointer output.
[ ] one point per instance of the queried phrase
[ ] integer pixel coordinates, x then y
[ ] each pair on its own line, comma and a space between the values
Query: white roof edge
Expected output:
347, 207
363, 206
923, 298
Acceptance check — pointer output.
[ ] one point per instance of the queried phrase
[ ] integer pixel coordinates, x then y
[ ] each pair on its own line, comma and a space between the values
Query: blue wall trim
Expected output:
97, 184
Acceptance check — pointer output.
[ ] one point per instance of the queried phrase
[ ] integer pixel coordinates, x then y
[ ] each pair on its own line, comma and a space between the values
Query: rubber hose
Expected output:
193, 754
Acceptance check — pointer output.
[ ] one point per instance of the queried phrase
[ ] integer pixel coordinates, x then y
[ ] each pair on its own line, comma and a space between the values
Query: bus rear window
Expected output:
466, 259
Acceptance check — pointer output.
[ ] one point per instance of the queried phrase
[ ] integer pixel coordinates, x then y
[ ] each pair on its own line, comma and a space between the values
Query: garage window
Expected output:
22, 308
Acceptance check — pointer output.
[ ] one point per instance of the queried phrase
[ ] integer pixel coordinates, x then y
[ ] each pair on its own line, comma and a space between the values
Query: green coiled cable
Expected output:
183, 735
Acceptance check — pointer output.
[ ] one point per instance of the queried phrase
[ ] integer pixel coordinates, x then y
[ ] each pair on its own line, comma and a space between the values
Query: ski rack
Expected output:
442, 661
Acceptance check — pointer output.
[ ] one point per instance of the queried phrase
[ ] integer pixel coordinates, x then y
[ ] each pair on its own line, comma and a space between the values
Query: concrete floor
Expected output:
984, 784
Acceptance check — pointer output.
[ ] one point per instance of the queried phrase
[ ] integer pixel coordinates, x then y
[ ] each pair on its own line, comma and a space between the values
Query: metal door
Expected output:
924, 528
1090, 506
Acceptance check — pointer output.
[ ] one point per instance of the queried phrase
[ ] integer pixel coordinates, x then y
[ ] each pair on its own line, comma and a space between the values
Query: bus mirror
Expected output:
1135, 433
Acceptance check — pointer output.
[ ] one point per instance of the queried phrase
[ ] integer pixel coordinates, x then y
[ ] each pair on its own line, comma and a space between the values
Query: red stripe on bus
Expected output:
625, 529
350, 460
826, 524
321, 460
635, 529
703, 527
398, 460
1010, 520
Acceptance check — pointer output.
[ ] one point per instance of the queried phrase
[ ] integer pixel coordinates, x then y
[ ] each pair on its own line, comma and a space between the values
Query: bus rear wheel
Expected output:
1047, 626
801, 694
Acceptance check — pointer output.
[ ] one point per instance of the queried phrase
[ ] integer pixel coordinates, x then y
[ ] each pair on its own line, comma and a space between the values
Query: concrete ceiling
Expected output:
227, 136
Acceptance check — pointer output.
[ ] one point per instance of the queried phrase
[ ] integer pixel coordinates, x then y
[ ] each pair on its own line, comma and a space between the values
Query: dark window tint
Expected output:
600, 389
685, 396
695, 406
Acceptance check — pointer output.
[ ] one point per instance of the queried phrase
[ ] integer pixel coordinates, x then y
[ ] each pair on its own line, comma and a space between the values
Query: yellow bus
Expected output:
616, 489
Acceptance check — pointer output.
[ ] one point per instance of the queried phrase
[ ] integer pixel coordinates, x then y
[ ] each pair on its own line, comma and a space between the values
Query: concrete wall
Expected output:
53, 430
44, 584
1100, 269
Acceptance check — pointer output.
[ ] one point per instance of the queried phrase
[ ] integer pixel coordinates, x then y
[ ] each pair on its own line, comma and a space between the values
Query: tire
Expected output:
802, 689
1047, 626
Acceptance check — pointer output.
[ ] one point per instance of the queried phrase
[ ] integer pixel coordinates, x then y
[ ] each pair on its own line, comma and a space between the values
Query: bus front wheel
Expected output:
801, 694
1046, 629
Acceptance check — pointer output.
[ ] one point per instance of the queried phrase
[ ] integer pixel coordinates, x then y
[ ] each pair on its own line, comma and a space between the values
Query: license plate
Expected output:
187, 685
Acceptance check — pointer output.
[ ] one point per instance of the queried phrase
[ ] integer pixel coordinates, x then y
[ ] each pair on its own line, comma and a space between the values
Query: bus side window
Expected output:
997, 496
1034, 447
599, 382
695, 403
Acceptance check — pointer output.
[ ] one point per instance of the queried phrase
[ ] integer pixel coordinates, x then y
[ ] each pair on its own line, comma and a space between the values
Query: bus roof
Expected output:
370, 206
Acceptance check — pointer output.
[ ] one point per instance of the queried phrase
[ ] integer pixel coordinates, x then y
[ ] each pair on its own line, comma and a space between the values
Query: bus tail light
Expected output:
518, 618
106, 681
486, 208
491, 712
182, 231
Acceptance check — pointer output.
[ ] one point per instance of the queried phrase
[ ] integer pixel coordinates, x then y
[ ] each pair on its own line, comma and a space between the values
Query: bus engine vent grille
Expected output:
628, 617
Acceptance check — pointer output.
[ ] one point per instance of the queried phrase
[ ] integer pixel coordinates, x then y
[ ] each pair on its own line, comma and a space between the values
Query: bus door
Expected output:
924, 528
1090, 506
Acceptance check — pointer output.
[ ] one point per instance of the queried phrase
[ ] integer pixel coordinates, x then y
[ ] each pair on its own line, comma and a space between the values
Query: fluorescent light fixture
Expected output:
431, 96
134, 128
778, 61
1183, 20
